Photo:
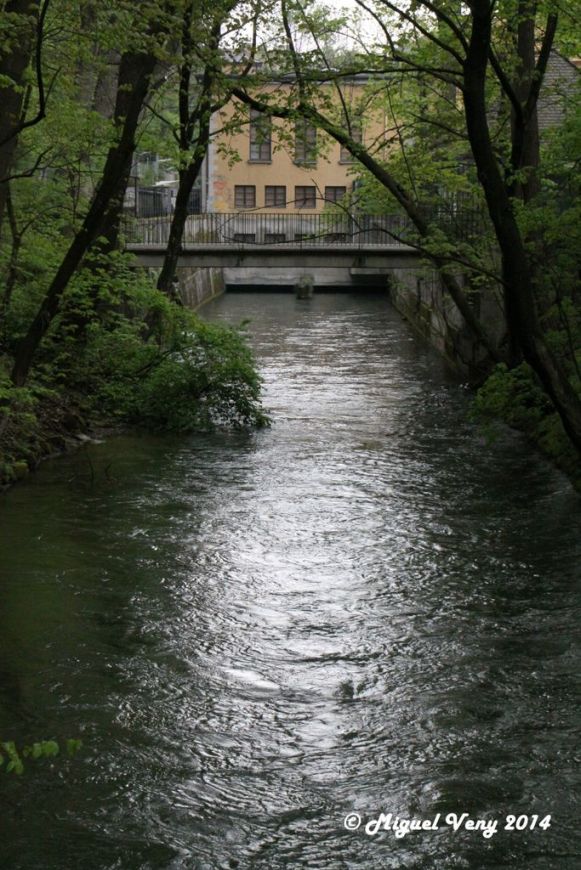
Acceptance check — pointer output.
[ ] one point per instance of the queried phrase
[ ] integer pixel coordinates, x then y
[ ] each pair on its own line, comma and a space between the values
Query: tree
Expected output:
204, 87
136, 68
134, 77
518, 268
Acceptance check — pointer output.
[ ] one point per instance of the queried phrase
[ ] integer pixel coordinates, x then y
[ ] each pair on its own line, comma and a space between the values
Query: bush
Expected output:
191, 375
137, 360
206, 378
514, 397
10, 754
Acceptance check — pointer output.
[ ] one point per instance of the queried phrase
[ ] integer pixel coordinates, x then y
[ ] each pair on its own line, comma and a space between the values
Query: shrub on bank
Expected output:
200, 377
141, 361
514, 397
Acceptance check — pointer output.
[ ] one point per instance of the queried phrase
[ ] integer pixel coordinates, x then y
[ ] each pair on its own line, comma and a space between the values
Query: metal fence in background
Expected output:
254, 228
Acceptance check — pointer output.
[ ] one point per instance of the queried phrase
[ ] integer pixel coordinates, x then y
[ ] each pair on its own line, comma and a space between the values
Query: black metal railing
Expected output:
247, 229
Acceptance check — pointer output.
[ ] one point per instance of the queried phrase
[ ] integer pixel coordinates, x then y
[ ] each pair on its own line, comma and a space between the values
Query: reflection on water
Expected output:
364, 609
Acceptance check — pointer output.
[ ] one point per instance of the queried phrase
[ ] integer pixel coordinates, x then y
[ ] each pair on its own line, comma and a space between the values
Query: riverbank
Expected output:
513, 397
54, 429
191, 375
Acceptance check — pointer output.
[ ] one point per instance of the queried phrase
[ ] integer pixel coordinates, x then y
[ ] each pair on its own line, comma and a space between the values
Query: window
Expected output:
305, 142
334, 194
274, 237
245, 196
244, 237
345, 155
260, 137
306, 197
275, 195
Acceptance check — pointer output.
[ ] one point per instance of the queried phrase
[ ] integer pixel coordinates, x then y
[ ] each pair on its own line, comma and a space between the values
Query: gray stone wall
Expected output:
198, 286
419, 296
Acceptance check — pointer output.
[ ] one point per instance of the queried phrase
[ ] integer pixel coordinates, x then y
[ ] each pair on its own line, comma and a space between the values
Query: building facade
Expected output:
257, 163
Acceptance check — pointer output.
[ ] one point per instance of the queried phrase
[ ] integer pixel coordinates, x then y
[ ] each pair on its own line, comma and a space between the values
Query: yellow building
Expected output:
264, 164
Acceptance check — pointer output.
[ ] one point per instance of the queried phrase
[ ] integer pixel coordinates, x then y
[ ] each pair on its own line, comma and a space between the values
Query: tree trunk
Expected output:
12, 271
75, 322
135, 74
187, 179
133, 84
194, 126
526, 86
14, 62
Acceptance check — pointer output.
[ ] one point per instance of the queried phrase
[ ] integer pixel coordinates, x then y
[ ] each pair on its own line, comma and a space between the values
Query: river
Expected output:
365, 609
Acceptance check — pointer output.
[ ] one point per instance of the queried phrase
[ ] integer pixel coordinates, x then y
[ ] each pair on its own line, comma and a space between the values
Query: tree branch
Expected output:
411, 19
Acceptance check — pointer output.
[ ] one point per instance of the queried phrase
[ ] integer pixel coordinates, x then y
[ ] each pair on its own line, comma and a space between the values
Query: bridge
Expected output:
364, 244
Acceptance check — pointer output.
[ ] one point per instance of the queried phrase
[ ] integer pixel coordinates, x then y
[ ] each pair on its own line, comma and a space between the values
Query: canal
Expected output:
365, 609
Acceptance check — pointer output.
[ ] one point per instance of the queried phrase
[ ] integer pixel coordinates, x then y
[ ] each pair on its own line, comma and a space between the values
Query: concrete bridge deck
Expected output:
278, 241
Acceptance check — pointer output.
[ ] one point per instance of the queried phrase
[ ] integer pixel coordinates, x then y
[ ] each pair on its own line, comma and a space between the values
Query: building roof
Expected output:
561, 78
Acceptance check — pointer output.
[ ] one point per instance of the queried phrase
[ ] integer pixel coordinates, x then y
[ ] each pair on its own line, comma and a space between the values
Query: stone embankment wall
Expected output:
198, 286
419, 296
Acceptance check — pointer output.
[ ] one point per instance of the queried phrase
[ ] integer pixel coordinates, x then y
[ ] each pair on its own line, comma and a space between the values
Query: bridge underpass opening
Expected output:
324, 279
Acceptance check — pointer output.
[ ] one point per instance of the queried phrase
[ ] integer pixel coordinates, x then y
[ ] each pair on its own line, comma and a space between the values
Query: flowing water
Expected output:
365, 609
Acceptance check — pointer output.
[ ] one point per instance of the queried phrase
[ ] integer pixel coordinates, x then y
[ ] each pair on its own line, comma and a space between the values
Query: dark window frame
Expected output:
303, 200
305, 143
275, 189
260, 137
334, 197
242, 192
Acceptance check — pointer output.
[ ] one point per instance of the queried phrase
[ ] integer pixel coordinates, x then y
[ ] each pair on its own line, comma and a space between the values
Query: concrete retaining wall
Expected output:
419, 296
286, 276
198, 286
